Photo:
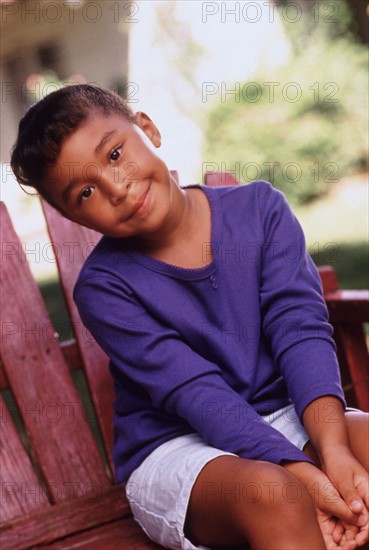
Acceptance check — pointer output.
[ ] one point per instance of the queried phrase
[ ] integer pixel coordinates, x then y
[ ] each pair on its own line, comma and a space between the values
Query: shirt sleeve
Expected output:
294, 313
175, 377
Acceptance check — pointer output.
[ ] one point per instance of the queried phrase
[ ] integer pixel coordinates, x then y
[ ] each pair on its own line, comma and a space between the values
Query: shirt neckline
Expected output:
184, 272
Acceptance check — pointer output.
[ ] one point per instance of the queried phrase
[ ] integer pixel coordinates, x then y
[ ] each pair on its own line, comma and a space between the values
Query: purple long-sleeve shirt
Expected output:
211, 349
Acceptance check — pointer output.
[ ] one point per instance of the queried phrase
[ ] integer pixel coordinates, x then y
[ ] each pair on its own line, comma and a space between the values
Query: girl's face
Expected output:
108, 176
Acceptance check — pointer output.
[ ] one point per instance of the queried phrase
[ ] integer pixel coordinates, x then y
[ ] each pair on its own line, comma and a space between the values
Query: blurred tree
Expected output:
344, 18
360, 10
184, 54
304, 125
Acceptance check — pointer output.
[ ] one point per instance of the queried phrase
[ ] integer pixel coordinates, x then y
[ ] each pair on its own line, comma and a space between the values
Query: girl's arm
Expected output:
295, 320
325, 423
341, 490
294, 313
177, 379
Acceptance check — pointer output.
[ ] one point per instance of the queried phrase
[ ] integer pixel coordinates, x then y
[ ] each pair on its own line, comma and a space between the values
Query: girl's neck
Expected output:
188, 227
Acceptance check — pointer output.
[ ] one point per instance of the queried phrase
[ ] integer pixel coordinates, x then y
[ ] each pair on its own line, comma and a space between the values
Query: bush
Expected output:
314, 125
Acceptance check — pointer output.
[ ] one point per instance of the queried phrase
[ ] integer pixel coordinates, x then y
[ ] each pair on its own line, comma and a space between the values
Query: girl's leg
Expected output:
237, 501
358, 429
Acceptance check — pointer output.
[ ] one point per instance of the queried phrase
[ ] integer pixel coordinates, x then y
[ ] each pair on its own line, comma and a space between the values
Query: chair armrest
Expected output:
348, 306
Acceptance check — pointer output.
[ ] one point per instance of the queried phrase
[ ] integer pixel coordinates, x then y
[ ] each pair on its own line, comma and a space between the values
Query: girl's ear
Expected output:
145, 123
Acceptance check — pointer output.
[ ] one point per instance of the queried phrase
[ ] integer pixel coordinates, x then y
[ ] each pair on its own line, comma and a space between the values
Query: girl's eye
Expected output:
86, 193
114, 156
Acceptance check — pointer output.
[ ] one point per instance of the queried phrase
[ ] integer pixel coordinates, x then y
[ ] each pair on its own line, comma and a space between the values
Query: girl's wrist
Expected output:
324, 420
329, 454
304, 471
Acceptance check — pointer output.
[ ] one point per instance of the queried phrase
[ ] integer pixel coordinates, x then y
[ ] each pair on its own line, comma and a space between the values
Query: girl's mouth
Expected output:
142, 204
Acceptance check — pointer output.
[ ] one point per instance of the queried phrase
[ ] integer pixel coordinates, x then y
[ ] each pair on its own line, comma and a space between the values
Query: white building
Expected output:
172, 58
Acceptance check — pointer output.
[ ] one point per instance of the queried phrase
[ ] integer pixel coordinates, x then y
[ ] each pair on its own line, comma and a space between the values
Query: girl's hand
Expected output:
334, 533
341, 527
325, 422
351, 481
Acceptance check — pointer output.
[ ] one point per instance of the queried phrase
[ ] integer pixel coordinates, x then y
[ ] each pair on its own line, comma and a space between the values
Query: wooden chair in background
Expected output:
57, 491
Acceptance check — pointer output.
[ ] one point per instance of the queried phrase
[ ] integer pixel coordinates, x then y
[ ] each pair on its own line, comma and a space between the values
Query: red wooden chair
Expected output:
56, 487
56, 490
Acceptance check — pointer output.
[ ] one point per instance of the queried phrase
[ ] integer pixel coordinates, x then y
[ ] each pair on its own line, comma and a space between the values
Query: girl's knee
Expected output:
275, 487
263, 488
272, 496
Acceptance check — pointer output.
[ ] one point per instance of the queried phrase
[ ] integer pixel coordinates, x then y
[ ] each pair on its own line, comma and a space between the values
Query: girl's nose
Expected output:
115, 190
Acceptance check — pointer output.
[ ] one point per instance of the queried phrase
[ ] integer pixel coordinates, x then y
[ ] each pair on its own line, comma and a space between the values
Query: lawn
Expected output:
336, 230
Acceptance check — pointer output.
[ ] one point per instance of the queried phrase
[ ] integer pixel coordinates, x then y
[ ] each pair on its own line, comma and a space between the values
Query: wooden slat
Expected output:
54, 418
218, 179
121, 535
20, 490
353, 338
3, 379
71, 356
348, 306
329, 279
75, 515
72, 243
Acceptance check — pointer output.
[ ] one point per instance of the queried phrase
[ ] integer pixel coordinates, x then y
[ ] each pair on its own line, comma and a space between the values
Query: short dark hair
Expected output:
49, 121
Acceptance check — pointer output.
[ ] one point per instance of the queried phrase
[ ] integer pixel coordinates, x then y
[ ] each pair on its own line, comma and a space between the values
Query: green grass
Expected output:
55, 304
351, 262
336, 230
340, 216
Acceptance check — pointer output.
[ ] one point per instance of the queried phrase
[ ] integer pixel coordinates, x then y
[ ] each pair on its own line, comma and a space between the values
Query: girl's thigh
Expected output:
358, 432
236, 501
187, 495
159, 489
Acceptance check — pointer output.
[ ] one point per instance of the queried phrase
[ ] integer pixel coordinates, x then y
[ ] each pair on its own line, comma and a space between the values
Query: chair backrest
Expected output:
56, 432
55, 487
217, 179
72, 244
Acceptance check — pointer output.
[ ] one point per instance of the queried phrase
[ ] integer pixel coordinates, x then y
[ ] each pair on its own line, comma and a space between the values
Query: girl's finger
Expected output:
338, 532
355, 504
362, 537
362, 485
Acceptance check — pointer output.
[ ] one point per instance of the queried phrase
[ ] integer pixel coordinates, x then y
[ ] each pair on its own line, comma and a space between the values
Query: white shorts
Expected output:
159, 489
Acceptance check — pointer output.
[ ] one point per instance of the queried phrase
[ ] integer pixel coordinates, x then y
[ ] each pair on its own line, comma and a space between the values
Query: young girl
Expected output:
230, 422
